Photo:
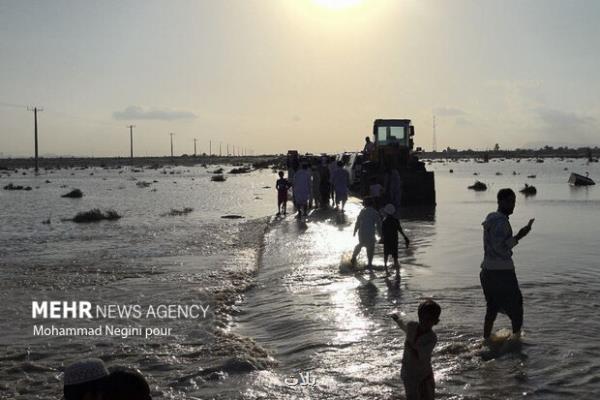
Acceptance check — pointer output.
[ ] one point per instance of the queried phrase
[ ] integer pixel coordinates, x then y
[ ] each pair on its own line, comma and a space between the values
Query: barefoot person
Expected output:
390, 228
498, 278
367, 224
282, 185
341, 183
302, 183
416, 372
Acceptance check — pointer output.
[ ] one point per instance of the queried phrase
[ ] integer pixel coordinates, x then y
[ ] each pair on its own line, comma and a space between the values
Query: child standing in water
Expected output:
282, 186
416, 372
390, 228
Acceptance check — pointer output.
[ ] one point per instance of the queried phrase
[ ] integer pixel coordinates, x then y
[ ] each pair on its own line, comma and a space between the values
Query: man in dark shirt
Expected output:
282, 186
390, 228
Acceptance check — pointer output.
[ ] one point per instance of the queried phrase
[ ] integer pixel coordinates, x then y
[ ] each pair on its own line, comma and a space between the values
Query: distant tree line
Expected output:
497, 152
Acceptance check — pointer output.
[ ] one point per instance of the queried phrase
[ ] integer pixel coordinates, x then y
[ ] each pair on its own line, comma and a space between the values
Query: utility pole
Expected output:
35, 111
131, 140
434, 136
227, 149
210, 148
195, 140
171, 134
220, 153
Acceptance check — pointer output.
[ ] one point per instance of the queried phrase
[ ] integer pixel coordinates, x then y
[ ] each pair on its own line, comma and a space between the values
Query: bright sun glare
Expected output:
337, 4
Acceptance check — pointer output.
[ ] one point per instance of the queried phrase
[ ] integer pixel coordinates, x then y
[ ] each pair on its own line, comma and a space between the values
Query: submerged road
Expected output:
326, 324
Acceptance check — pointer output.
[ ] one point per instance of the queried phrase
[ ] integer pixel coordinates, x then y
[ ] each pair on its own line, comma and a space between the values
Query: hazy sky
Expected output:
312, 75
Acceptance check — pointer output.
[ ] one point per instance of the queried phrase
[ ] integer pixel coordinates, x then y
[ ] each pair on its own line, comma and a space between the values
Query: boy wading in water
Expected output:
498, 278
390, 228
282, 185
416, 372
367, 224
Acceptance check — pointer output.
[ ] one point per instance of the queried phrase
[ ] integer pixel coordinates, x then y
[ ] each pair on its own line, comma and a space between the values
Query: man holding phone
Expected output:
498, 278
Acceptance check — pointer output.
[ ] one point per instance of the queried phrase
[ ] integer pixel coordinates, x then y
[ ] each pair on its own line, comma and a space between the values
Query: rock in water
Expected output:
478, 186
73, 194
528, 190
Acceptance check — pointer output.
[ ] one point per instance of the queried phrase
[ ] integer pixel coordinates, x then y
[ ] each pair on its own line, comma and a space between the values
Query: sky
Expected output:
311, 75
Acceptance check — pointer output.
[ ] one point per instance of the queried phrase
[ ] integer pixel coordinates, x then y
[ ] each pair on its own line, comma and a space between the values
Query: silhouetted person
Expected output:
85, 380
315, 190
282, 185
341, 185
324, 184
332, 168
369, 148
390, 228
367, 224
393, 187
127, 384
416, 371
302, 184
498, 278
376, 192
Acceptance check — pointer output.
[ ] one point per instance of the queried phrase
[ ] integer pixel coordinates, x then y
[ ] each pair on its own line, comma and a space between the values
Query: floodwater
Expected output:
292, 320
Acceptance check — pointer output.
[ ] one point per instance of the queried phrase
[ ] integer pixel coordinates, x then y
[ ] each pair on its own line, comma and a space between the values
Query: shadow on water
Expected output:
331, 216
367, 292
394, 290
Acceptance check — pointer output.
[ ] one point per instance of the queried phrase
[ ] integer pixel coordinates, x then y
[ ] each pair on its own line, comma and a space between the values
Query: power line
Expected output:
12, 105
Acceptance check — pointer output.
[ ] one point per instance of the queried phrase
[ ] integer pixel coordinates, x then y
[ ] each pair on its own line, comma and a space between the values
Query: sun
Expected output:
337, 4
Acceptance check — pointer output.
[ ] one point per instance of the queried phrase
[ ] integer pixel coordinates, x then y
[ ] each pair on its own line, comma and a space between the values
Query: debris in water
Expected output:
478, 186
10, 186
240, 170
218, 178
96, 215
175, 212
580, 180
232, 216
73, 194
528, 190
142, 184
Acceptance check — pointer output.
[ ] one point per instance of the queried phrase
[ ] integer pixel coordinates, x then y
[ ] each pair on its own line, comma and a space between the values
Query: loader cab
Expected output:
393, 142
393, 132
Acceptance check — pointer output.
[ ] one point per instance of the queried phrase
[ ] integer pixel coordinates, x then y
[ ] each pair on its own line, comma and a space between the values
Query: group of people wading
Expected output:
313, 185
327, 182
